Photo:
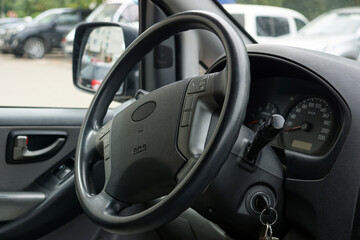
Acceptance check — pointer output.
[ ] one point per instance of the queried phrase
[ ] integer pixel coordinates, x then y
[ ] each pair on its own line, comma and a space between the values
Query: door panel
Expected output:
44, 189
18, 176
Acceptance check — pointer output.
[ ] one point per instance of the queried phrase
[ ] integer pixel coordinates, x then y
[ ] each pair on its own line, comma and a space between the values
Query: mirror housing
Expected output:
101, 66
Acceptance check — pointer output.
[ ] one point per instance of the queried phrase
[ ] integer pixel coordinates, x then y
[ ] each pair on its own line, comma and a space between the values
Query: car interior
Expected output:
216, 137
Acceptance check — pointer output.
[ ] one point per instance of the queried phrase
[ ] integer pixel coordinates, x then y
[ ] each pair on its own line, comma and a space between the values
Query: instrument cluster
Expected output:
312, 117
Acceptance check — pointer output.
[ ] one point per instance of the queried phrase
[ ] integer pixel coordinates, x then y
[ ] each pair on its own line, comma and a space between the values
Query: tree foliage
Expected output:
32, 8
278, 3
309, 8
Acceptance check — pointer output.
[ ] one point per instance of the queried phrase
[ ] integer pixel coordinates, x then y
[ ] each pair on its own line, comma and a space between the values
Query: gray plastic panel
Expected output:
16, 177
15, 204
308, 202
41, 116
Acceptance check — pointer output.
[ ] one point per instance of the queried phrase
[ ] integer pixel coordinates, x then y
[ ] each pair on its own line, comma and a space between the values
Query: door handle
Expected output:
22, 153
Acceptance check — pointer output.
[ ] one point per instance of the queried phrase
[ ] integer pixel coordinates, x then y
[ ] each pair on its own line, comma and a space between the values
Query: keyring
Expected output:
262, 215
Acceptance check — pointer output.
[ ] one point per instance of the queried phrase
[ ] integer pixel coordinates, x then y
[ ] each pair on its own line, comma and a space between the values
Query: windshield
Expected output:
334, 23
35, 68
330, 26
44, 18
104, 12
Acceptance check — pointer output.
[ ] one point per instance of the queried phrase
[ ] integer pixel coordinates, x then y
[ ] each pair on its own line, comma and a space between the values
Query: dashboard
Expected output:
317, 148
316, 117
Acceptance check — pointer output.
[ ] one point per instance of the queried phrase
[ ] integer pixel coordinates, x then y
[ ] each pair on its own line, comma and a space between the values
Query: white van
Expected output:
266, 23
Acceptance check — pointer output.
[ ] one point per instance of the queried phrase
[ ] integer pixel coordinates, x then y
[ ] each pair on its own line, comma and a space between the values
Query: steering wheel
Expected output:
168, 145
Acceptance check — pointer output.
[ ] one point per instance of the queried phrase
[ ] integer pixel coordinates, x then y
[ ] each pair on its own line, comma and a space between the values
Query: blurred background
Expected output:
36, 39
309, 8
32, 8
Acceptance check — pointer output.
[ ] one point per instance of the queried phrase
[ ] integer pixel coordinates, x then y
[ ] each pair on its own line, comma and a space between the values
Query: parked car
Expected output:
7, 23
44, 33
122, 11
92, 75
336, 32
266, 23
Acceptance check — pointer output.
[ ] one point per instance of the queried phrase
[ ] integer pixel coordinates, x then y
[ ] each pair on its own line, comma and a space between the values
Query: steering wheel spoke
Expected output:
203, 101
103, 146
218, 81
110, 205
104, 204
103, 140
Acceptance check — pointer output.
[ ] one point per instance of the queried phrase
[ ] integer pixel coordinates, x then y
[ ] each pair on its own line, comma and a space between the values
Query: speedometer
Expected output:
309, 126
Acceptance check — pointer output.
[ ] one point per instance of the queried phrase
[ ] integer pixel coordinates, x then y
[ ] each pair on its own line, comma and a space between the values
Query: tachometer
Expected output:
309, 126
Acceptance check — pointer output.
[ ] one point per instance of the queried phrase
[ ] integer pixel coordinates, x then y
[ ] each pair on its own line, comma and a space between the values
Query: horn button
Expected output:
144, 157
143, 111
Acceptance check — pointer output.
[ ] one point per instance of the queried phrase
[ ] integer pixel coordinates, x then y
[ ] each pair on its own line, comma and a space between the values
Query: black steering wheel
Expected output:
169, 144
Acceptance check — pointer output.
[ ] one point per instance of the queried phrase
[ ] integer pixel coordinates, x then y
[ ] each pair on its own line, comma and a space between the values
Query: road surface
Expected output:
43, 82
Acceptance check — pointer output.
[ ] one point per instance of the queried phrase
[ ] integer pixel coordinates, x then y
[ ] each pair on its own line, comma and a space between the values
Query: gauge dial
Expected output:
309, 126
261, 114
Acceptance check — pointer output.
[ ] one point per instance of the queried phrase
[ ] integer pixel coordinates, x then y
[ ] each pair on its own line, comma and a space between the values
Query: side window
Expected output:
272, 26
68, 19
130, 14
46, 19
240, 18
299, 24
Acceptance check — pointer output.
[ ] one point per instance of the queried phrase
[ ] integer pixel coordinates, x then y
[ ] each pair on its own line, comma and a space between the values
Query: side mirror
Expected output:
97, 47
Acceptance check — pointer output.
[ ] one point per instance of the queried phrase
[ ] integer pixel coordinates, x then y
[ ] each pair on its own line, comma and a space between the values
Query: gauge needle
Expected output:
305, 126
253, 122
293, 129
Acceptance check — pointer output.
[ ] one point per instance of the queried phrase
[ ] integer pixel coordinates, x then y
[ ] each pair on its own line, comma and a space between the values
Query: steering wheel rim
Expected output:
105, 209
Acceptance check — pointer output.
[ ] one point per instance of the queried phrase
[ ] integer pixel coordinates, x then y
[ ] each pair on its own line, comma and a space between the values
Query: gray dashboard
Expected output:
321, 191
321, 188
